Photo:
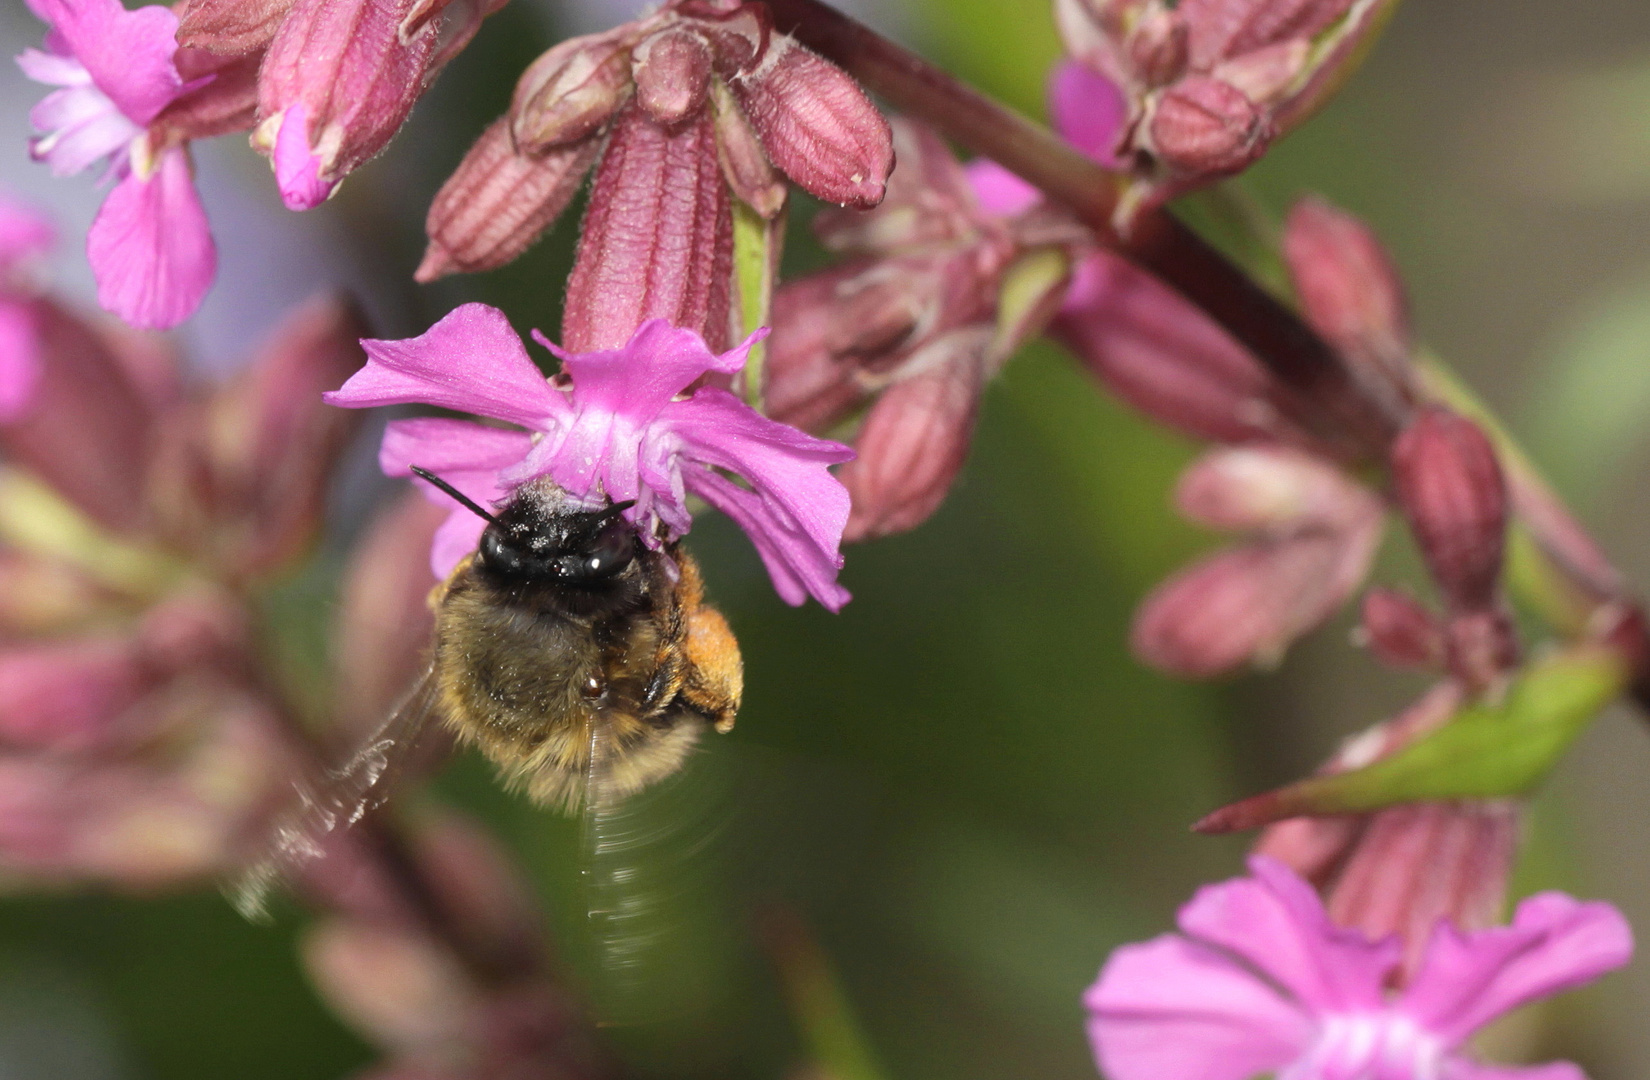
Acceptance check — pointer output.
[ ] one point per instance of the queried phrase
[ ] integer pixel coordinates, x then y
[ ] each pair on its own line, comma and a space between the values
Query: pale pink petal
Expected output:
78, 128
1088, 109
1171, 1009
129, 54
1555, 943
999, 191
470, 361
1459, 1069
151, 248
297, 168
1276, 922
54, 69
19, 359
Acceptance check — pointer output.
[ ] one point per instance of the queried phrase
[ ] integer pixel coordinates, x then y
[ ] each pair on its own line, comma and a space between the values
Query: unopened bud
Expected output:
1159, 47
1222, 29
1450, 487
657, 240
1348, 288
914, 442
396, 987
1269, 489
1481, 647
67, 696
672, 73
745, 164
1206, 126
804, 383
498, 202
1265, 75
229, 27
817, 125
568, 93
1400, 631
877, 312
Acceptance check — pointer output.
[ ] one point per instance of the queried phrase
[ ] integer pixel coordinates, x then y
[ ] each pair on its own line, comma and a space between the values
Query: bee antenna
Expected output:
461, 498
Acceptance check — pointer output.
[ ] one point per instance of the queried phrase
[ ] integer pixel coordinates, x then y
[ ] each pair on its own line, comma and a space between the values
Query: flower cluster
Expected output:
618, 425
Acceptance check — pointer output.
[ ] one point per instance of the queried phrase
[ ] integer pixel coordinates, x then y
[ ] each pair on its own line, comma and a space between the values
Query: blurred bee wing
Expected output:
337, 799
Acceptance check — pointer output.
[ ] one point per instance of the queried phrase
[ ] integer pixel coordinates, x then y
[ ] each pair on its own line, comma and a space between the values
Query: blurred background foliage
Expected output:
941, 809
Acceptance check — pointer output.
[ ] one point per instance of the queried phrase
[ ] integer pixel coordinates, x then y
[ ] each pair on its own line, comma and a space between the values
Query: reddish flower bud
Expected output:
67, 696
86, 430
395, 986
805, 384
571, 91
817, 125
915, 441
1400, 631
1348, 288
1269, 489
498, 203
672, 73
1449, 485
657, 240
229, 27
1161, 354
1221, 29
1206, 126
745, 164
1248, 603
1159, 47
1481, 647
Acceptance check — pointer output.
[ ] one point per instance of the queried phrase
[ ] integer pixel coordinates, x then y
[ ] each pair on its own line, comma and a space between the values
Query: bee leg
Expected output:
715, 679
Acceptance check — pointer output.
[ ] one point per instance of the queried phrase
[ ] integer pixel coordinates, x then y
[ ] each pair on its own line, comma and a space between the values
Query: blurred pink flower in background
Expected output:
613, 425
1259, 980
24, 234
150, 246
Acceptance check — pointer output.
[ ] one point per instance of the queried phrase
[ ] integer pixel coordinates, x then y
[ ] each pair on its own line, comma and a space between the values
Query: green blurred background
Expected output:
962, 789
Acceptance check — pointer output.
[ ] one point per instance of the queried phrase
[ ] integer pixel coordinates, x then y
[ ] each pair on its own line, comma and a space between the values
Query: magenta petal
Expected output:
297, 168
151, 248
659, 362
23, 233
467, 456
1555, 943
19, 359
1276, 922
1088, 109
797, 566
998, 191
470, 361
129, 54
1171, 1009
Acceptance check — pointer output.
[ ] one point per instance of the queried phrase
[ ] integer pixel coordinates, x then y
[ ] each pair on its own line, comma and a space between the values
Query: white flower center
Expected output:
1383, 1045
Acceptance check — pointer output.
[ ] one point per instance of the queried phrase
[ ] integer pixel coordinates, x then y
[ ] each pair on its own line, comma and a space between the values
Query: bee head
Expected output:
528, 541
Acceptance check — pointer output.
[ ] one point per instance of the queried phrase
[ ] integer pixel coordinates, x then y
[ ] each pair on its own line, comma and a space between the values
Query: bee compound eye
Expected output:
499, 554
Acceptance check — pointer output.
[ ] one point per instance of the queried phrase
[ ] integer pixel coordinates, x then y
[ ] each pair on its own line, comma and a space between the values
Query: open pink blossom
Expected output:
1260, 981
614, 425
150, 248
23, 235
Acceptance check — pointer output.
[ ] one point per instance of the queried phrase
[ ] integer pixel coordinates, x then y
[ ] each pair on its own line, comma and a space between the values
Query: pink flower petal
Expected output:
79, 127
19, 359
467, 456
470, 361
1555, 943
24, 233
999, 191
297, 167
1172, 1009
151, 247
659, 362
1276, 922
129, 54
1088, 109
798, 567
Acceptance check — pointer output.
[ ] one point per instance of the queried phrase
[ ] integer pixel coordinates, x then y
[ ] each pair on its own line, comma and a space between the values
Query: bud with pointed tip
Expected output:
570, 92
1449, 485
672, 73
915, 441
817, 125
1349, 290
498, 202
1400, 631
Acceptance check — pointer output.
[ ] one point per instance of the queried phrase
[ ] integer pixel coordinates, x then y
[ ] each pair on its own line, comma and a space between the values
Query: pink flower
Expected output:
613, 425
150, 248
23, 234
1259, 981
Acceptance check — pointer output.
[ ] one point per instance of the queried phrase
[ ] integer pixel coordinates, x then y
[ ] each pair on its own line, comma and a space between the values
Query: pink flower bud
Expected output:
806, 385
1400, 631
817, 125
498, 202
1449, 485
1481, 647
657, 240
745, 164
1159, 47
1348, 288
229, 27
87, 429
398, 988
44, 597
571, 91
339, 79
1248, 603
1205, 126
1265, 75
914, 442
68, 696
672, 73
1221, 29
1269, 489
1162, 355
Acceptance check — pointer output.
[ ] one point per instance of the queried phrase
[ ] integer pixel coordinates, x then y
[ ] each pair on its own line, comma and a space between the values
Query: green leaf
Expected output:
1486, 752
